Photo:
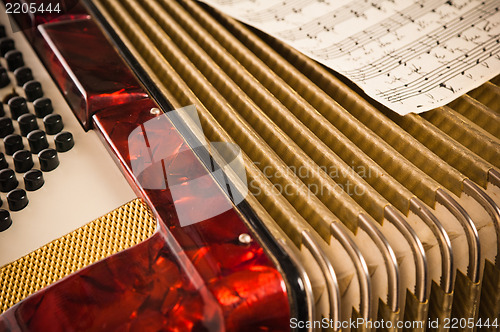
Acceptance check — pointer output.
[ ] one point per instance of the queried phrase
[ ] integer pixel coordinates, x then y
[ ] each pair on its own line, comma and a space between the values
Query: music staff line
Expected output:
451, 29
334, 17
464, 66
422, 45
358, 40
437, 77
410, 56
231, 2
271, 14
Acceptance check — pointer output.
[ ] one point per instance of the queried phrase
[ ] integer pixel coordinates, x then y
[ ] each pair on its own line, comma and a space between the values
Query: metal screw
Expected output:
244, 238
155, 111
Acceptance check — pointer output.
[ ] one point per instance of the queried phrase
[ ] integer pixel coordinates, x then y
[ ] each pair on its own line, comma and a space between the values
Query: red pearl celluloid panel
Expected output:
249, 289
143, 288
87, 69
44, 11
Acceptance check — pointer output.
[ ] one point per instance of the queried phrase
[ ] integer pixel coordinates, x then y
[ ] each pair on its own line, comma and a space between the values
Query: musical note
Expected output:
410, 56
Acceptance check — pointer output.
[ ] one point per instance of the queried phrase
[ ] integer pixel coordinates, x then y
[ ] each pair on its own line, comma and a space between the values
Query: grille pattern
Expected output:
291, 117
118, 230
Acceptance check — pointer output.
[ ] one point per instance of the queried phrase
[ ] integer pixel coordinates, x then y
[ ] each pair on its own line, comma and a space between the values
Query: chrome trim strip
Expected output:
448, 270
473, 271
422, 271
339, 233
306, 282
328, 272
472, 189
494, 177
390, 260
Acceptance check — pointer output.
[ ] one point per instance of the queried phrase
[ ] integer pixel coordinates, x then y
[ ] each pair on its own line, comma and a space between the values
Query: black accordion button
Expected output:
33, 90
5, 220
3, 162
18, 106
17, 199
23, 75
37, 141
4, 78
53, 124
33, 180
6, 45
8, 180
6, 127
23, 161
27, 123
14, 60
64, 141
48, 160
43, 107
13, 143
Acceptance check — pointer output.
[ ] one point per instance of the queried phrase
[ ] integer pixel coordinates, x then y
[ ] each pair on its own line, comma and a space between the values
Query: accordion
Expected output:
252, 188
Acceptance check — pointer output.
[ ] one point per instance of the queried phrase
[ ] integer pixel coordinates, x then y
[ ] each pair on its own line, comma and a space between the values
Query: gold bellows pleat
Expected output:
288, 113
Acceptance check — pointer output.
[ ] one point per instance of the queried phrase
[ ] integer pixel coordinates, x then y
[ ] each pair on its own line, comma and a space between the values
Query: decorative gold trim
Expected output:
118, 230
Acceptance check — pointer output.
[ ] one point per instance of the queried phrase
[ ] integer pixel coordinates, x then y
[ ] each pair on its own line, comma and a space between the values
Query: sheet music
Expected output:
411, 56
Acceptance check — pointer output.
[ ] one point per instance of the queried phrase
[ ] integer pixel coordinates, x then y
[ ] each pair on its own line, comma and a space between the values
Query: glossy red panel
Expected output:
245, 282
89, 72
59, 10
145, 288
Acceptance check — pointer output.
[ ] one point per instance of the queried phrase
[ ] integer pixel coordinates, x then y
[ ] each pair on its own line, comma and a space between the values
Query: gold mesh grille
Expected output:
120, 229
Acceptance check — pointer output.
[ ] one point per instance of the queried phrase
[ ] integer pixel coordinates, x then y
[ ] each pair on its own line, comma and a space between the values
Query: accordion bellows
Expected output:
394, 217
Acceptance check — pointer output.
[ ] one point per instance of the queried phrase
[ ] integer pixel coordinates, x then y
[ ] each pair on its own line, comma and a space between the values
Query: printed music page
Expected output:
411, 56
